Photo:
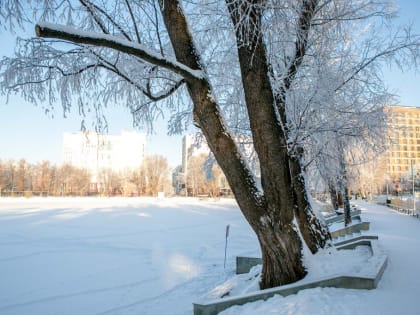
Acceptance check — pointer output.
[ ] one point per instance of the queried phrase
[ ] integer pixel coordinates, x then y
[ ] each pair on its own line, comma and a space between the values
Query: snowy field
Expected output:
147, 256
115, 256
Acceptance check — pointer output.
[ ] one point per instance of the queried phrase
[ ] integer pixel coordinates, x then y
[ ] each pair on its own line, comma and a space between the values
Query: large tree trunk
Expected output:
278, 238
313, 231
270, 215
280, 244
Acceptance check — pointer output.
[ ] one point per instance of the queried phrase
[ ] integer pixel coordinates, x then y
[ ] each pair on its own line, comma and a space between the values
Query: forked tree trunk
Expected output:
260, 97
280, 243
271, 215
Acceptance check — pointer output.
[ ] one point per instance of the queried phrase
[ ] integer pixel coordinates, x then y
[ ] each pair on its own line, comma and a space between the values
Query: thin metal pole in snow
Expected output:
227, 235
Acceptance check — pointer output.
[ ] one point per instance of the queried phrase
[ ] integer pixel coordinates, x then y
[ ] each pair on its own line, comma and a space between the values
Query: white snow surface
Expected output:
148, 256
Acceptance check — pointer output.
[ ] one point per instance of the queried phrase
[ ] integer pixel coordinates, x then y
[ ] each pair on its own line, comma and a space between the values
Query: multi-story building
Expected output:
404, 140
97, 152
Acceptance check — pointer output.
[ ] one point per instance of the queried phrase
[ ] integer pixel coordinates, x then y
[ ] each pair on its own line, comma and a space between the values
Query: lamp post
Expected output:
388, 200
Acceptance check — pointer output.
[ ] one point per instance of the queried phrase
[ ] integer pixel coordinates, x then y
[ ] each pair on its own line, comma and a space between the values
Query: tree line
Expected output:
22, 178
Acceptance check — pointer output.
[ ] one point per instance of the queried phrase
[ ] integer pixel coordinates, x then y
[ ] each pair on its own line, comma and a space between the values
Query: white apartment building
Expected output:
96, 152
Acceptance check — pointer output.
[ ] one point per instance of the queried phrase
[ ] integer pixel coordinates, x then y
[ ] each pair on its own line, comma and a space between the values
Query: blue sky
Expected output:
26, 132
406, 84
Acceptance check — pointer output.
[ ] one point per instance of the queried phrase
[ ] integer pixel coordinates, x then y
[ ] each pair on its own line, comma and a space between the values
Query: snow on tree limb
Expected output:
50, 30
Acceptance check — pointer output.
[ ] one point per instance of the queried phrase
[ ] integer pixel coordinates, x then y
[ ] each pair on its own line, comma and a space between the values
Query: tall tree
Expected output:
291, 58
21, 175
10, 175
2, 176
196, 178
109, 182
138, 178
156, 172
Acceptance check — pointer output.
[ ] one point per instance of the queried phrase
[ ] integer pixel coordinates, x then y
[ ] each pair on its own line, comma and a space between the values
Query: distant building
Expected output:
97, 152
404, 140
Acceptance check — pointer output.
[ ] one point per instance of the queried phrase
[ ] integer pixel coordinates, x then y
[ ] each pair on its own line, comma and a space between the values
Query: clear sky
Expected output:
26, 132
407, 84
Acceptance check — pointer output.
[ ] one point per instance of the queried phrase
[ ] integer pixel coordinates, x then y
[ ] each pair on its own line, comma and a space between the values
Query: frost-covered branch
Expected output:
133, 20
113, 67
12, 14
304, 26
74, 35
163, 94
391, 51
90, 8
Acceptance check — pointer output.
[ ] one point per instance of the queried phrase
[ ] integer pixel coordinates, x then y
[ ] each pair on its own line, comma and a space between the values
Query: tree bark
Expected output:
270, 145
207, 115
340, 198
333, 195
270, 215
313, 231
280, 248
347, 209
344, 185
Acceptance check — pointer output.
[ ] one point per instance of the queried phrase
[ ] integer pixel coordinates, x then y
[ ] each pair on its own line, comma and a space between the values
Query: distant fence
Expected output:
404, 206
24, 194
83, 193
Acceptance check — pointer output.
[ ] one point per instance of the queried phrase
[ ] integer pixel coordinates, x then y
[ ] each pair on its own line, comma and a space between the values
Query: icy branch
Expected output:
71, 34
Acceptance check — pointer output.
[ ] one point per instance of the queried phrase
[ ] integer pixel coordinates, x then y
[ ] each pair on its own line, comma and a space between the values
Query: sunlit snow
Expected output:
147, 256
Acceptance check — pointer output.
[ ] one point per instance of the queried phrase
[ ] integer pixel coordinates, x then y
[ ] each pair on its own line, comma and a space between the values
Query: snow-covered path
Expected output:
399, 236
397, 292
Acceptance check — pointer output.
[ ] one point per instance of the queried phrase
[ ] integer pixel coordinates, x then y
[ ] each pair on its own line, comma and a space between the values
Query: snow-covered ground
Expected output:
397, 292
147, 256
115, 256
